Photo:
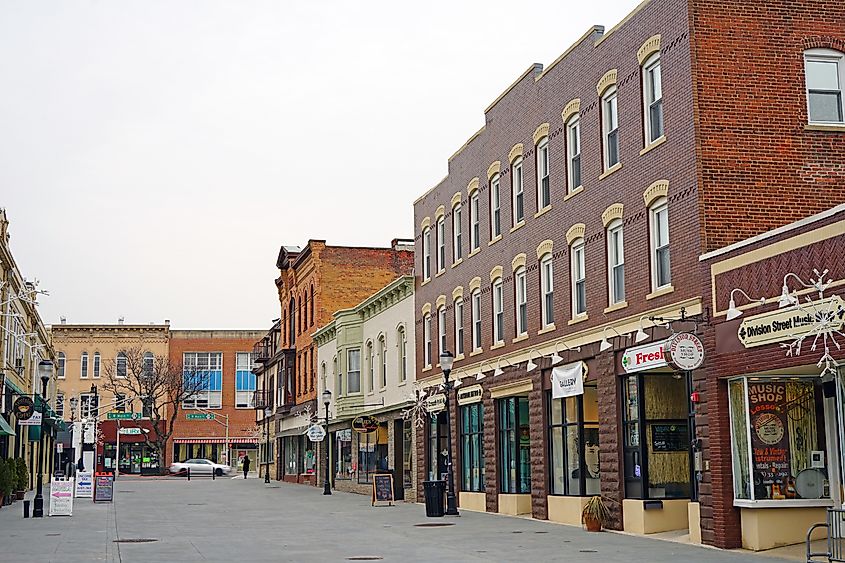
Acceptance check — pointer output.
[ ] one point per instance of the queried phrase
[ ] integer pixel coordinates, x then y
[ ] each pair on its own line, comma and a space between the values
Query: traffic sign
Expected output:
121, 416
199, 416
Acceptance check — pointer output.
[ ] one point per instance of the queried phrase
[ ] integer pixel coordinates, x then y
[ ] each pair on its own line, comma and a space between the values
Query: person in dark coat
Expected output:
246, 465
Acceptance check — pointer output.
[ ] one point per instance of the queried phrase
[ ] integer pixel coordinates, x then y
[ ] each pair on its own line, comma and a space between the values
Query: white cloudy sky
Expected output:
155, 154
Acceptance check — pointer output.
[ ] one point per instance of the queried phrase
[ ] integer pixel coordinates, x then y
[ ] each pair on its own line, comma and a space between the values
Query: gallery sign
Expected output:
787, 324
568, 380
641, 358
469, 395
684, 351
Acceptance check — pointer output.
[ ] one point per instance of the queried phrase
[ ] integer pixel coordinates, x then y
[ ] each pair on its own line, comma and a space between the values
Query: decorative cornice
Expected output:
518, 261
495, 273
472, 186
573, 107
606, 81
456, 199
494, 169
515, 152
544, 248
651, 46
613, 212
576, 231
458, 292
657, 190
440, 212
540, 132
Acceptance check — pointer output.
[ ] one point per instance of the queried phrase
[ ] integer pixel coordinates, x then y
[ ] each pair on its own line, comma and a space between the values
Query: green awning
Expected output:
15, 389
5, 429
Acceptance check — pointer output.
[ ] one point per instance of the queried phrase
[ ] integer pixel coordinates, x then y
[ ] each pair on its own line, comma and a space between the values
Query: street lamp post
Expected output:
327, 485
446, 360
267, 413
45, 372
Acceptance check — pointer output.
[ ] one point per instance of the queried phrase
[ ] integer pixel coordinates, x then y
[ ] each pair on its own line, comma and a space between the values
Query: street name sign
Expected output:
199, 416
124, 416
130, 431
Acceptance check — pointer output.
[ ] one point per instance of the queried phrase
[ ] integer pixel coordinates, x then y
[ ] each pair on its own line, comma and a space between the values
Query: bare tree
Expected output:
159, 384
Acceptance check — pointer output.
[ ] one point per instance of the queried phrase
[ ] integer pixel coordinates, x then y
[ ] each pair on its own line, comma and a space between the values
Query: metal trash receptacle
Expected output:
435, 495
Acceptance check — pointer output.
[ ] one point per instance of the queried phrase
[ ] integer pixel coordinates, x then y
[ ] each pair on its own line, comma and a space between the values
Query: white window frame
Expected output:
543, 173
117, 362
578, 275
382, 352
476, 320
427, 340
615, 261
61, 361
826, 56
458, 308
402, 344
371, 366
610, 126
517, 191
457, 234
654, 213
441, 329
337, 377
206, 399
83, 366
426, 253
547, 290
498, 311
245, 398
495, 206
573, 153
440, 235
520, 304
350, 373
652, 97
474, 222
96, 365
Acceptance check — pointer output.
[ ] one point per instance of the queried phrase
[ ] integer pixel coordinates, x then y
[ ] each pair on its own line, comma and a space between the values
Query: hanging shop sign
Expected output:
641, 358
470, 395
316, 433
364, 424
435, 403
33, 420
24, 408
568, 380
788, 324
684, 351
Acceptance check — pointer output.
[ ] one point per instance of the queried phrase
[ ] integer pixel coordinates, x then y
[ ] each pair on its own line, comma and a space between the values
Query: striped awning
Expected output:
201, 440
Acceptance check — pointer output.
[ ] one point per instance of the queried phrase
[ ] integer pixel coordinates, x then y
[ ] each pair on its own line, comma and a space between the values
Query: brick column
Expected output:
539, 448
610, 452
491, 476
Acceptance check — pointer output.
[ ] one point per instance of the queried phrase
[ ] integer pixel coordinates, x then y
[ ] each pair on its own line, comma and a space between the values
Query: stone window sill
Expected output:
440, 273
474, 252
610, 170
520, 338
654, 144
425, 282
546, 330
578, 319
616, 307
829, 127
518, 226
574, 192
543, 211
476, 352
497, 346
457, 262
495, 239
665, 290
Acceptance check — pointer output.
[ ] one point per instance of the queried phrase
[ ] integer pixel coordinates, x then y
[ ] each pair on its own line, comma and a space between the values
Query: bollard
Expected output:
26, 509
213, 474
188, 471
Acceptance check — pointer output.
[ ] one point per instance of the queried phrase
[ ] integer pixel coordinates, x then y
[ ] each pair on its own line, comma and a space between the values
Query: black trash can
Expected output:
435, 493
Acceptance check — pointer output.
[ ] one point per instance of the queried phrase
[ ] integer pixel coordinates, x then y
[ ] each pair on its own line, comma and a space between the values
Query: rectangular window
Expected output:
498, 312
616, 263
495, 207
544, 192
514, 445
203, 375
476, 320
97, 366
60, 368
441, 329
120, 365
547, 288
426, 254
382, 353
457, 234
371, 367
403, 356
441, 244
353, 376
579, 282
653, 92
574, 444
661, 275
474, 222
518, 193
610, 127
521, 302
573, 138
427, 340
472, 447
87, 405
83, 366
245, 383
825, 72
459, 327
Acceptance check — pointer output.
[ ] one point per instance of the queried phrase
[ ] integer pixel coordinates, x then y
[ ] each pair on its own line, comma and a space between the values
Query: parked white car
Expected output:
199, 467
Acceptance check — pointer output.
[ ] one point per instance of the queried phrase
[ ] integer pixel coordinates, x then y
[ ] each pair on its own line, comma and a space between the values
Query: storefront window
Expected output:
292, 455
437, 447
472, 447
309, 461
372, 453
778, 437
514, 445
345, 467
574, 442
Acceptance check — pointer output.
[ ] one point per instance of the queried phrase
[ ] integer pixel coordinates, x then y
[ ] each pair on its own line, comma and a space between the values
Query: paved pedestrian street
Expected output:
246, 520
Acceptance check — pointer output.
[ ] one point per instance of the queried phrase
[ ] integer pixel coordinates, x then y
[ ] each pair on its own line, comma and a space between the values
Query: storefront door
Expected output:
437, 447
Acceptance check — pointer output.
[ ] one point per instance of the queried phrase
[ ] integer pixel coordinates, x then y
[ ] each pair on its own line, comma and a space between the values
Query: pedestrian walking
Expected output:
246, 465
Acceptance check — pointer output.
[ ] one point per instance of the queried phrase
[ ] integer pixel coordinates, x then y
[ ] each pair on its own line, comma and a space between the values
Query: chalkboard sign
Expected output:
669, 438
104, 487
383, 488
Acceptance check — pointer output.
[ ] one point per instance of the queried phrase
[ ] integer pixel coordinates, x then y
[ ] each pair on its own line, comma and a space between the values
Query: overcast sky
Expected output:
154, 155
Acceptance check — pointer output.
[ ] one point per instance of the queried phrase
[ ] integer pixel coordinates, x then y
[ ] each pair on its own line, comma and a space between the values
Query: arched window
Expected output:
426, 253
382, 354
83, 366
292, 322
96, 365
659, 226
401, 344
474, 222
441, 329
579, 278
495, 206
458, 309
824, 71
544, 191
573, 153
615, 262
457, 234
476, 320
441, 244
338, 378
652, 99
518, 188
610, 128
60, 369
427, 340
498, 311
120, 364
312, 305
371, 367
547, 290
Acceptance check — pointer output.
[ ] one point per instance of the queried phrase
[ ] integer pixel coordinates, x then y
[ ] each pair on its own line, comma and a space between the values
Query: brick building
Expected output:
652, 130
314, 282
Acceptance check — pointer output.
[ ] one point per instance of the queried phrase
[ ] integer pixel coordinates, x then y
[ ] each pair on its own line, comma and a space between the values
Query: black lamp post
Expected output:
45, 372
327, 484
267, 413
446, 360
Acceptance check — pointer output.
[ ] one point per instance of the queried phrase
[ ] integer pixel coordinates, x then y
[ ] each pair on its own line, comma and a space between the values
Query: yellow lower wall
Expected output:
637, 520
473, 501
694, 511
514, 505
765, 528
566, 510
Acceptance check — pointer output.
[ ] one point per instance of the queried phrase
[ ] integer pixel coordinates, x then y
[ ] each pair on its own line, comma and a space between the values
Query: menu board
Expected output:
769, 438
61, 497
383, 488
104, 487
669, 438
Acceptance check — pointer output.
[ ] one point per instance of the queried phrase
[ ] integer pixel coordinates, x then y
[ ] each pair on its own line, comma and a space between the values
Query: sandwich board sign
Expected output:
61, 497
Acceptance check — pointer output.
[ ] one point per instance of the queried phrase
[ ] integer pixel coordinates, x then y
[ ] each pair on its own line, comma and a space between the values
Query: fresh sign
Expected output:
641, 358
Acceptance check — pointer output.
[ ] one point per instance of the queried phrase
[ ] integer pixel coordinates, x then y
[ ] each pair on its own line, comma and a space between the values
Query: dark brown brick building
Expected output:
674, 133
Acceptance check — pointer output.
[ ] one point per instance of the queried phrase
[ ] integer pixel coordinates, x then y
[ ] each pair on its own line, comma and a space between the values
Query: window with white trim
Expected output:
659, 222
120, 365
60, 368
353, 373
476, 319
87, 405
518, 187
615, 262
402, 344
652, 99
382, 354
338, 377
824, 71
521, 301
547, 290
203, 374
573, 153
149, 364
544, 190
83, 366
441, 329
245, 381
371, 367
459, 326
495, 206
474, 222
426, 253
498, 312
441, 244
610, 128
427, 340
579, 279
457, 234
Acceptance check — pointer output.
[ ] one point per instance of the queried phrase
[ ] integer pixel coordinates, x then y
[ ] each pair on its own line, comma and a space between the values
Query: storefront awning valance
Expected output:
5, 429
235, 440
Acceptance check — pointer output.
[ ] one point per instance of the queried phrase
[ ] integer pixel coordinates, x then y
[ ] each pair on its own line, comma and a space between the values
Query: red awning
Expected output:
209, 440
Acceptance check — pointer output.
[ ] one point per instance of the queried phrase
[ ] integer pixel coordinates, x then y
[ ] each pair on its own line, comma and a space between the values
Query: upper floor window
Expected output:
382, 354
427, 340
659, 221
339, 376
518, 192
149, 364
495, 207
203, 375
573, 153
579, 277
476, 319
441, 244
544, 191
474, 222
615, 262
120, 364
60, 368
83, 366
498, 312
402, 344
245, 381
653, 99
459, 326
441, 329
311, 311
96, 366
371, 367
457, 234
426, 253
521, 302
353, 375
610, 128
547, 290
825, 76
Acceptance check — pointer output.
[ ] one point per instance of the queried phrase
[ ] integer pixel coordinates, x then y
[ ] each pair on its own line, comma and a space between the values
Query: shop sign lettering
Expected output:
684, 351
769, 439
364, 424
787, 324
568, 380
435, 403
469, 395
641, 358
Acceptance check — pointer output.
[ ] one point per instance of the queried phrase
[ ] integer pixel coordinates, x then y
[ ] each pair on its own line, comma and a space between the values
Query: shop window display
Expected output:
574, 443
514, 445
372, 453
472, 447
345, 466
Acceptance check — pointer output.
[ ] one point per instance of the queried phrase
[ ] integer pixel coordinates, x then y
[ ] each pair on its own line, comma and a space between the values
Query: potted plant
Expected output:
595, 514
5, 482
22, 478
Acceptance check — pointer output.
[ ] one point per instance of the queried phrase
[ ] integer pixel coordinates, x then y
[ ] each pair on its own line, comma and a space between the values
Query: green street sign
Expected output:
199, 416
120, 416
